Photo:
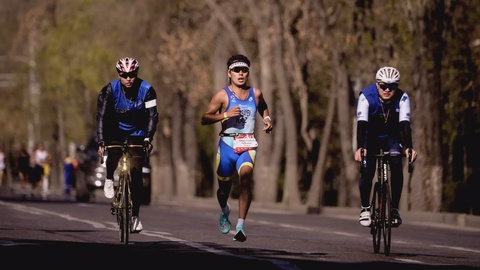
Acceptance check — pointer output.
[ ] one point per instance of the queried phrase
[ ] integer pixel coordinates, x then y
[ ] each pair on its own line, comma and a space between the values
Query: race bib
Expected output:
244, 142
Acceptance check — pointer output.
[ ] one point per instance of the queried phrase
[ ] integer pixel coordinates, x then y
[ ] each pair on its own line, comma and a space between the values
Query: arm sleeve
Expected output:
406, 134
404, 119
151, 108
404, 110
362, 134
362, 121
102, 102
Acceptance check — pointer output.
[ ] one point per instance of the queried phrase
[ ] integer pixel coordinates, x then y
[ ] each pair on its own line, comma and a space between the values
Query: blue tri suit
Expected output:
226, 160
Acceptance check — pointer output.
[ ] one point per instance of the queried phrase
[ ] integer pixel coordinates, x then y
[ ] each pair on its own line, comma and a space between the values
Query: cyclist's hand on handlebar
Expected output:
414, 154
358, 154
147, 145
101, 148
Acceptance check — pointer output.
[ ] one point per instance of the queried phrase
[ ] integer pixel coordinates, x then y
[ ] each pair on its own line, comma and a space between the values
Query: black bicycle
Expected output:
381, 204
122, 204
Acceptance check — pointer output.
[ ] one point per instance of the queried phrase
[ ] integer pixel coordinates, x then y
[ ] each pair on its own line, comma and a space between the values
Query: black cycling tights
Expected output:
136, 163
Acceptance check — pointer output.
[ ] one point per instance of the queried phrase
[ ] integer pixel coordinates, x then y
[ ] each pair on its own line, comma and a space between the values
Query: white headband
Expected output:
238, 64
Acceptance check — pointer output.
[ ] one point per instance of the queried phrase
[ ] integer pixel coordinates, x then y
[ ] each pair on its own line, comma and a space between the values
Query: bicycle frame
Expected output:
380, 207
122, 204
381, 203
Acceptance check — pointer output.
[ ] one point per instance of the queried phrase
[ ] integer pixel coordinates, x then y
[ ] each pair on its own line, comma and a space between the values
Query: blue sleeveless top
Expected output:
127, 109
245, 123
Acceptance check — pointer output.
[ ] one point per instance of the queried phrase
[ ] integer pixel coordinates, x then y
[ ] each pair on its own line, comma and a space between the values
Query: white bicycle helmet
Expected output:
388, 75
127, 64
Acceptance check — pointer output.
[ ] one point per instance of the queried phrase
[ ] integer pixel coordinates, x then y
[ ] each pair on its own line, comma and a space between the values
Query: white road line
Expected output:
457, 248
37, 211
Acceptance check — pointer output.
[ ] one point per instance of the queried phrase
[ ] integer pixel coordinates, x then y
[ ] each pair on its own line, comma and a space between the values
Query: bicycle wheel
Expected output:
387, 228
375, 229
121, 208
127, 208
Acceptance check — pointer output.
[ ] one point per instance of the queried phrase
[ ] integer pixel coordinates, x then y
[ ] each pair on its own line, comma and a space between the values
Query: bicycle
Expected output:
122, 204
381, 203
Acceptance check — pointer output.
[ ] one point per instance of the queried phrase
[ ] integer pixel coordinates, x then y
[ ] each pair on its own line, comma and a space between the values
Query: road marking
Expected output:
285, 265
457, 248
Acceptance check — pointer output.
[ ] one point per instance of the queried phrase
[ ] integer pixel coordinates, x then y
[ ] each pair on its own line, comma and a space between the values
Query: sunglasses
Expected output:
129, 74
391, 86
238, 69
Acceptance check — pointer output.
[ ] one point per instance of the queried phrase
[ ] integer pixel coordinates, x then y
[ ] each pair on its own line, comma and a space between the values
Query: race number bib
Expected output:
244, 142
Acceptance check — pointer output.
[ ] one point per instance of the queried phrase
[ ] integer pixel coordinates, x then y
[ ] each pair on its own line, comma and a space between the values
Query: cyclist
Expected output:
127, 108
383, 120
235, 106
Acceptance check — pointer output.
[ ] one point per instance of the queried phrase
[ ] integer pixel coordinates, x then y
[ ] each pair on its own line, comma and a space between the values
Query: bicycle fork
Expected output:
117, 201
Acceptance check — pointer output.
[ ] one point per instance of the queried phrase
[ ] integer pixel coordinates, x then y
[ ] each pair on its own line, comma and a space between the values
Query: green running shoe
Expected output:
223, 223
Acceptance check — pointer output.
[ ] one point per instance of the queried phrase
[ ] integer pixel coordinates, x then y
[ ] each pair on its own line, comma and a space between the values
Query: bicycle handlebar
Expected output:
386, 153
124, 147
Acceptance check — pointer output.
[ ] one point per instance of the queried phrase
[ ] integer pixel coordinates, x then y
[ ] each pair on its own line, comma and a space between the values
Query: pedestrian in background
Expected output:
2, 166
22, 166
42, 158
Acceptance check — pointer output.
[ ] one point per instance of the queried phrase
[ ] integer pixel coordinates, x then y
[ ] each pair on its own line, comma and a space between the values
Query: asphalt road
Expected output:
58, 233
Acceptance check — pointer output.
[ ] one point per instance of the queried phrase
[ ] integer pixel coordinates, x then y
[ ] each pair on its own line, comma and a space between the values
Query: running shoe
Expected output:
396, 219
240, 235
136, 225
365, 219
108, 189
223, 223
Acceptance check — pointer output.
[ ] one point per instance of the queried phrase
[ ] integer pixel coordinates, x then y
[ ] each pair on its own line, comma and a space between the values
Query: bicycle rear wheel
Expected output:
374, 213
387, 228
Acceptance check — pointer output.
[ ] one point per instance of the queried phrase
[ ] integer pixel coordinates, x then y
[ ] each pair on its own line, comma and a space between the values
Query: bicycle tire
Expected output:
125, 210
124, 207
387, 228
128, 207
374, 214
121, 209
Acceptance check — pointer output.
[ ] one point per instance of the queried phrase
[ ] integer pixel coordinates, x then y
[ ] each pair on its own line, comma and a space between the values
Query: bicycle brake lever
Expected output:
363, 161
102, 157
147, 154
410, 163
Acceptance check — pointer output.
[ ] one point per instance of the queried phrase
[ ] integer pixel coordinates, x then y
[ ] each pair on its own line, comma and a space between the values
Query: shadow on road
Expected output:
169, 255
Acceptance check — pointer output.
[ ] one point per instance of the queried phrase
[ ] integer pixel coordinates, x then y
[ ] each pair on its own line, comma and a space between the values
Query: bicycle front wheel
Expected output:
375, 228
387, 228
126, 210
122, 212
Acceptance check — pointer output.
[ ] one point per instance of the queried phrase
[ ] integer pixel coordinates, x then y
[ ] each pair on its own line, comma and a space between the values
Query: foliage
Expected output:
180, 43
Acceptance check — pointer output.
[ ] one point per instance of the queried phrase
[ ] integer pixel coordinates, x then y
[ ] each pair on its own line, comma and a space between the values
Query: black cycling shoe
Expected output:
396, 219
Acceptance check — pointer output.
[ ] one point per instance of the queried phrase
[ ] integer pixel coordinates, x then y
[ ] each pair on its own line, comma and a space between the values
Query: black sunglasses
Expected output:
391, 86
129, 74
238, 69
